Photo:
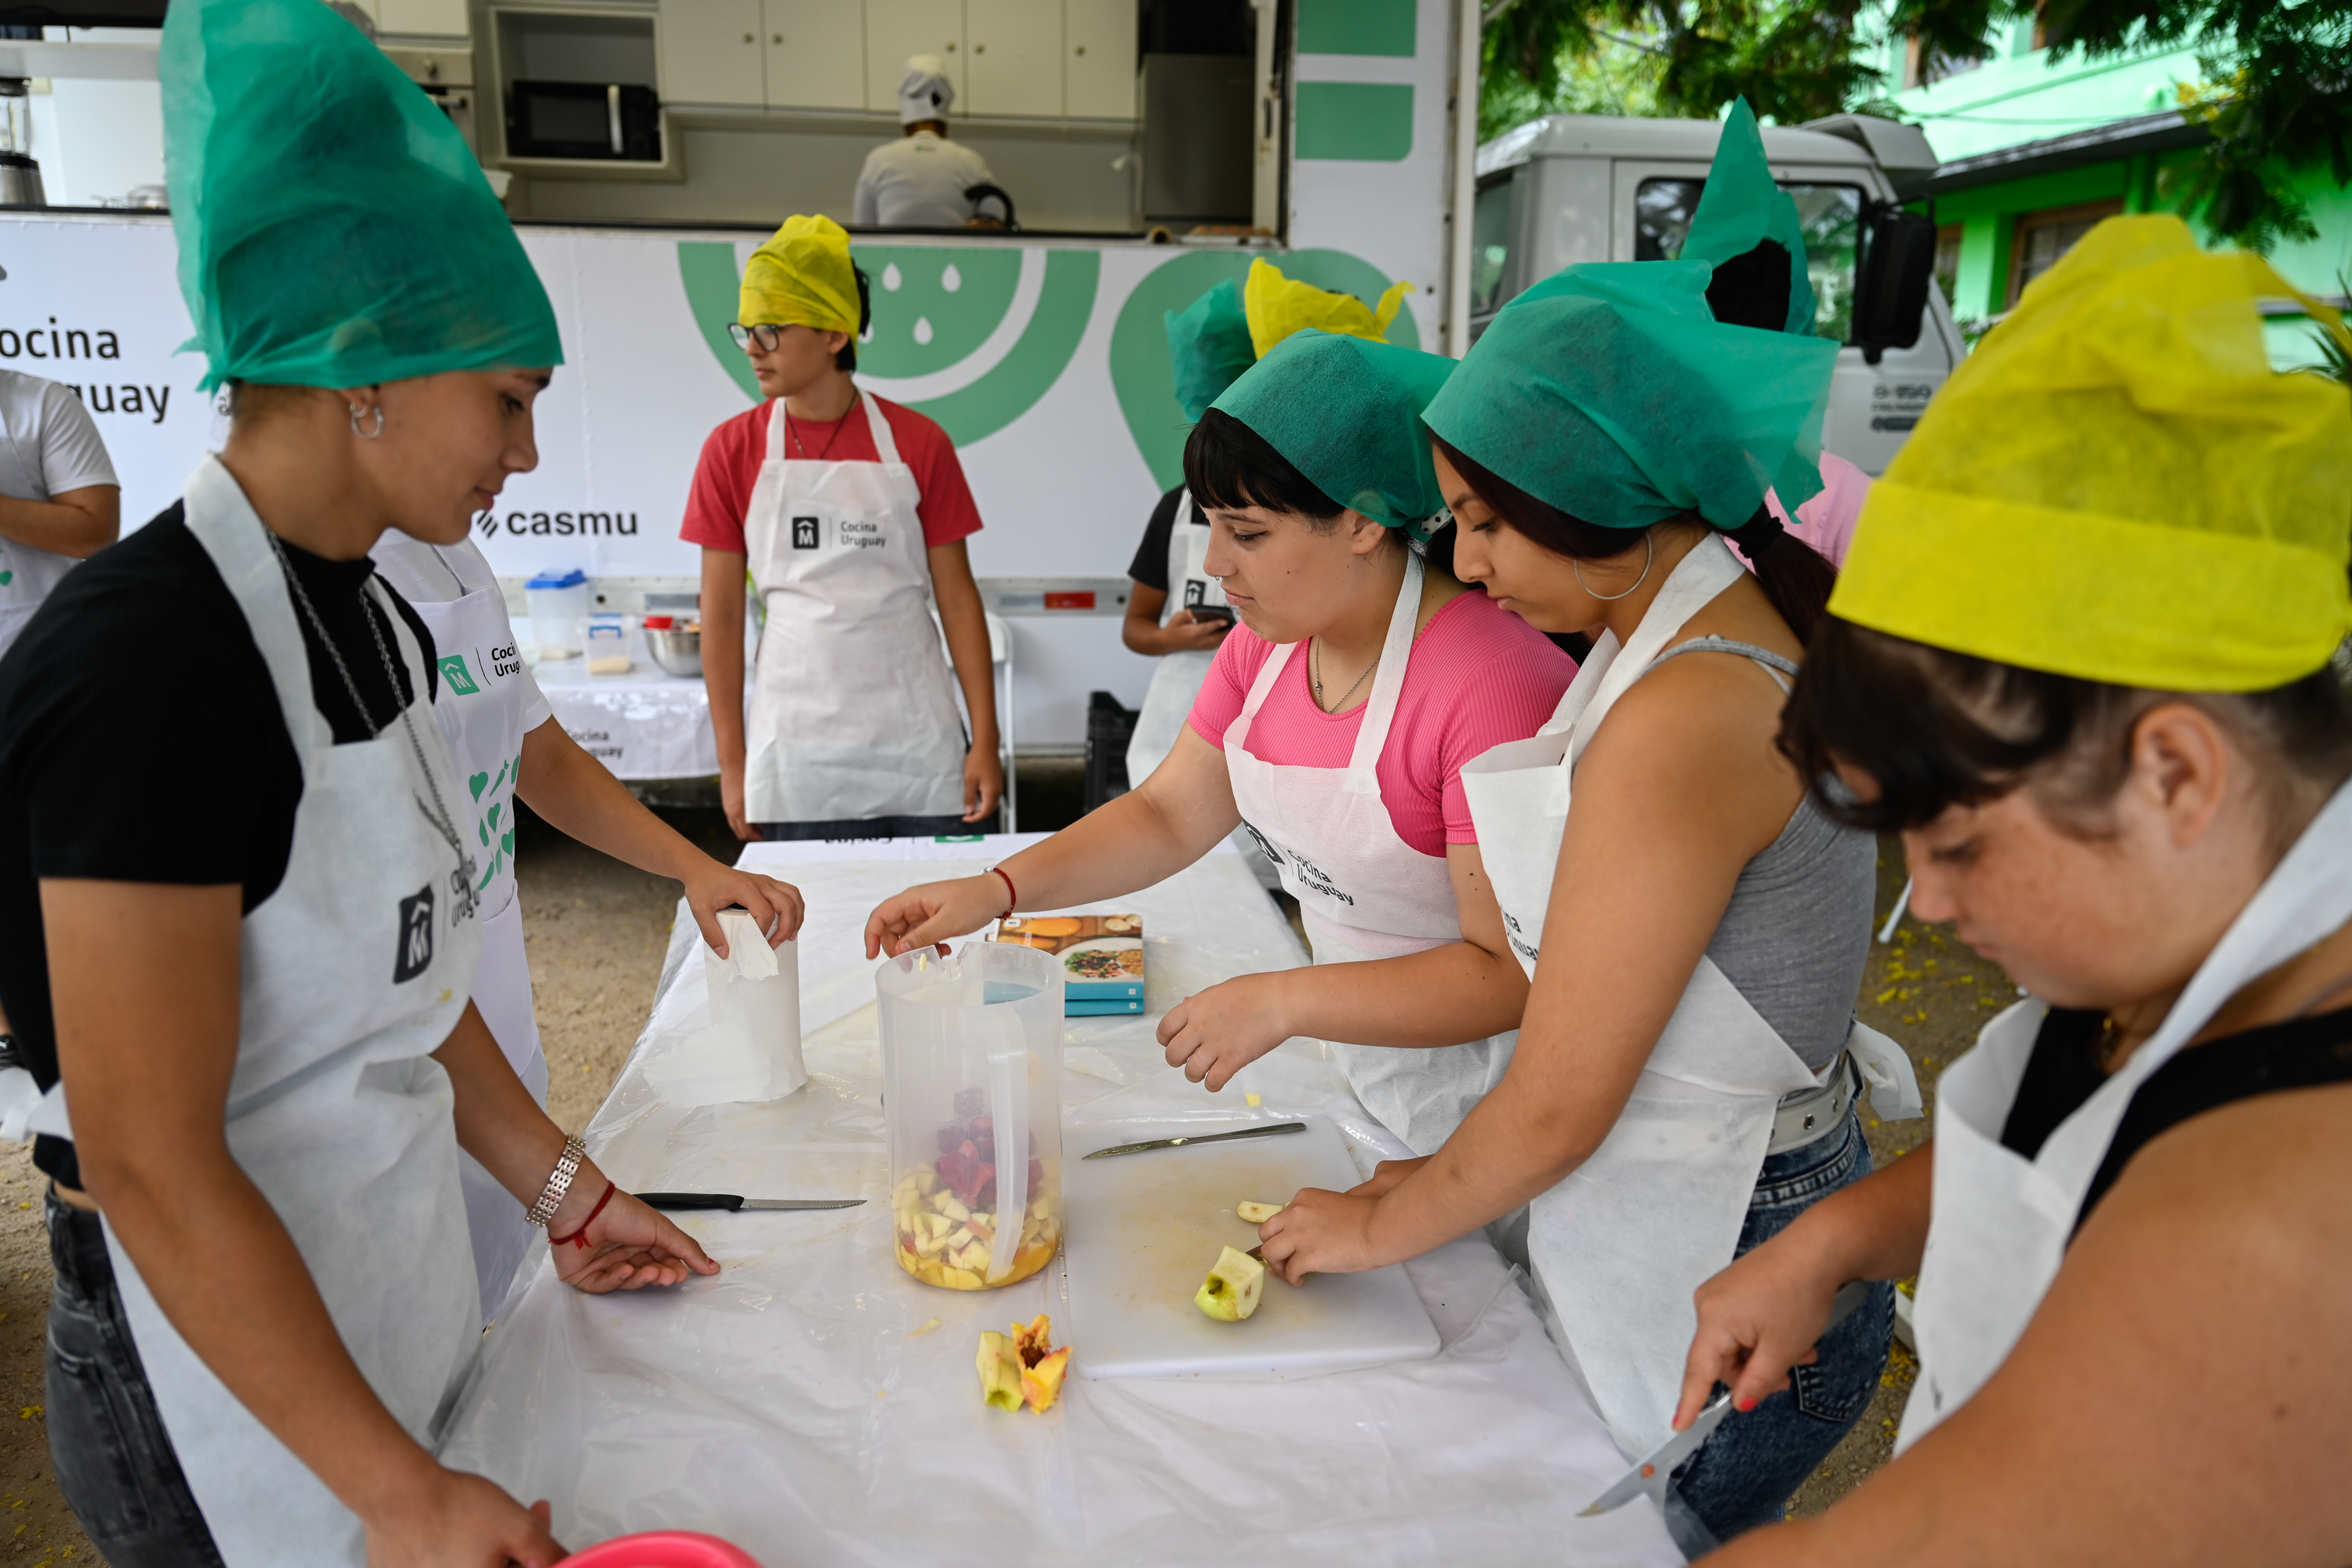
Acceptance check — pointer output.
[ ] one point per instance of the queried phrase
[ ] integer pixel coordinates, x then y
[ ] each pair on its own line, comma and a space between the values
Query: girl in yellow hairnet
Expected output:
2081, 660
851, 515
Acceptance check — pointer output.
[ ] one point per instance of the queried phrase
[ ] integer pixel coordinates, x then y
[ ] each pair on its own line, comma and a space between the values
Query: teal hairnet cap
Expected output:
1209, 346
1742, 206
333, 229
1610, 391
1346, 412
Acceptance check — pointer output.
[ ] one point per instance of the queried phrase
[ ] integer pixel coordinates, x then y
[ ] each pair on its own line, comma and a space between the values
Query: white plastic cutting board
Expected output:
1143, 1230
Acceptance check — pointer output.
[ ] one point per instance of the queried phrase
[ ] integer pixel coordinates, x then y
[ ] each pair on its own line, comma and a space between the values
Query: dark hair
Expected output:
1794, 576
1228, 465
1935, 729
1751, 289
846, 359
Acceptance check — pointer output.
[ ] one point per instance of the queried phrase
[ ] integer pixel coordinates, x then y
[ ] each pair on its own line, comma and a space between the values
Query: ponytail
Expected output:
1796, 578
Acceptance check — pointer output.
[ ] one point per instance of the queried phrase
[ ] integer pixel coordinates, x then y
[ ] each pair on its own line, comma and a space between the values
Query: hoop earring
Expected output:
375, 409
1647, 561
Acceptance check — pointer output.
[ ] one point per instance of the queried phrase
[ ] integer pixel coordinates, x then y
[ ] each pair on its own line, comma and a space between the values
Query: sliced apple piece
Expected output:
1000, 1371
1232, 1291
1258, 1214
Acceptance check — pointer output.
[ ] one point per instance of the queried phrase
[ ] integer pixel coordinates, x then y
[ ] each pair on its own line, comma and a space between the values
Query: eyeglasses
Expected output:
766, 336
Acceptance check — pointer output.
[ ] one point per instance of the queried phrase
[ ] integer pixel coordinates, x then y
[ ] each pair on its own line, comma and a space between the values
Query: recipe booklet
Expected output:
1102, 955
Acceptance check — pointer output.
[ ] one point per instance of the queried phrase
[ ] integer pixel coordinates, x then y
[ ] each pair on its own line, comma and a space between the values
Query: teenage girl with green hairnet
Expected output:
254, 983
2121, 771
1694, 927
1334, 722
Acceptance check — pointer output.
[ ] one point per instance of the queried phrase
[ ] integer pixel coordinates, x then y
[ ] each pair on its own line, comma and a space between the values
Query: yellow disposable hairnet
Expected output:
2118, 486
802, 276
1278, 306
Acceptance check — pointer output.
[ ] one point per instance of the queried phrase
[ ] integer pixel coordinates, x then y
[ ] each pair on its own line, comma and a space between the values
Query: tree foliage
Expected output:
2279, 74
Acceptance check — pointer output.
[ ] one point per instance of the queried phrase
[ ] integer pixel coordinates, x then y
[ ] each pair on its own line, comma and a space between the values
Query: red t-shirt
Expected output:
732, 454
1477, 677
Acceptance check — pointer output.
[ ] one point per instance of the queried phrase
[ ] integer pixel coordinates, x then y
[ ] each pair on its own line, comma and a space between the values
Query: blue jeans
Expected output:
1745, 1474
114, 1460
949, 827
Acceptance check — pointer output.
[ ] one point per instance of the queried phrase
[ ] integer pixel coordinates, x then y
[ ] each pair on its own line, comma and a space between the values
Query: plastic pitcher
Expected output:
663, 1549
558, 605
971, 1076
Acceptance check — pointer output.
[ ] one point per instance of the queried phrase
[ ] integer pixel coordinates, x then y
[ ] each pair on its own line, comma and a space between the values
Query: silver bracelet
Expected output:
559, 1183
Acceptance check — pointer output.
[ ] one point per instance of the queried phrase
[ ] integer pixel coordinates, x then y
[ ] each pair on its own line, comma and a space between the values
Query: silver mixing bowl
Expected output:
680, 653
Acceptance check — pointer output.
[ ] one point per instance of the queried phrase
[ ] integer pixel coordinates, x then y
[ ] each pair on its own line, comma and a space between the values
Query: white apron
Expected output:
852, 711
354, 969
480, 708
1621, 1244
2001, 1222
1176, 680
1364, 893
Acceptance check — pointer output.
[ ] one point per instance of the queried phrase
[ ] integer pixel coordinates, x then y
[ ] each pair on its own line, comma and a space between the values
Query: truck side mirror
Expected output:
1899, 263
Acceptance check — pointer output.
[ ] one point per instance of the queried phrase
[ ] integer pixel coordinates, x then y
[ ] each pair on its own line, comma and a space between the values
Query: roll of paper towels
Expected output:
752, 1051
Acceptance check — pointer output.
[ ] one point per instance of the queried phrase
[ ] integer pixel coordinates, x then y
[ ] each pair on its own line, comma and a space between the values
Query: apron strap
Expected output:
1696, 579
233, 535
886, 444
1388, 685
776, 426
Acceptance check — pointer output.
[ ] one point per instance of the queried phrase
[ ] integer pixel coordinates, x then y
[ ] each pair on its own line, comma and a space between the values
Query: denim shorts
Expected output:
1745, 1473
114, 1461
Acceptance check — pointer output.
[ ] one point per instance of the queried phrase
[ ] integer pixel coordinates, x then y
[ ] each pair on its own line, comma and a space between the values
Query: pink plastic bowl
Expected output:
663, 1549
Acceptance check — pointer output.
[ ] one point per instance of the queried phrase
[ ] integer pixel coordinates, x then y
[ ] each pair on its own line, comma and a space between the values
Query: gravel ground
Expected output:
596, 930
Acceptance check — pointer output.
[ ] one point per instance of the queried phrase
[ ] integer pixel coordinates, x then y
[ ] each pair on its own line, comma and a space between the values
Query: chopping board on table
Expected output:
1144, 1229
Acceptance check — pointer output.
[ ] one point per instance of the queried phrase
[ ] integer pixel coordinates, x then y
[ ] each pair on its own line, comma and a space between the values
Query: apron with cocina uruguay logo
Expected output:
2001, 1222
852, 711
480, 708
354, 970
1364, 893
1176, 679
1621, 1244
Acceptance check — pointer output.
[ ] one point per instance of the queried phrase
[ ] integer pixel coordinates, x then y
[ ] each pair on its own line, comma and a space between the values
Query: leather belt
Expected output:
1811, 1114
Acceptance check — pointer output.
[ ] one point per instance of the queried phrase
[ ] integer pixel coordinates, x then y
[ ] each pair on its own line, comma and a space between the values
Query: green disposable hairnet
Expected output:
333, 229
1609, 391
1346, 412
1742, 206
1209, 346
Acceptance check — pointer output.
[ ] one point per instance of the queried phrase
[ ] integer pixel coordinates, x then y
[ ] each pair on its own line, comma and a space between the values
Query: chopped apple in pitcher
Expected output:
944, 1212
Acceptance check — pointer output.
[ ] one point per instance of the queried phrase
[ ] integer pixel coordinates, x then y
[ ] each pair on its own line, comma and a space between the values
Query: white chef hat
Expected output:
925, 91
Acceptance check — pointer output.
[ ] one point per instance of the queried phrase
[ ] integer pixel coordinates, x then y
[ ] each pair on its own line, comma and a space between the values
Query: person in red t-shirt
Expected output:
849, 514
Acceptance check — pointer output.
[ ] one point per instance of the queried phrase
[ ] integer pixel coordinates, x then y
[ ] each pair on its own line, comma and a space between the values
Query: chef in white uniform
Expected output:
60, 500
1693, 930
919, 180
2079, 658
1359, 674
505, 746
264, 1082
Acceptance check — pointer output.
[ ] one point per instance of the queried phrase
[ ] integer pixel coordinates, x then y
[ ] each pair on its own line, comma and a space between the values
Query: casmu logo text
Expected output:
491, 523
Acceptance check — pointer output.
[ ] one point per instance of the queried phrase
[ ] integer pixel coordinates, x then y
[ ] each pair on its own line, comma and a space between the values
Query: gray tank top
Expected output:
1795, 938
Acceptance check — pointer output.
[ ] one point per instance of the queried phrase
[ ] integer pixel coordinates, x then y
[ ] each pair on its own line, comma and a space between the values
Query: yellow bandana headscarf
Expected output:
1278, 306
802, 276
2118, 486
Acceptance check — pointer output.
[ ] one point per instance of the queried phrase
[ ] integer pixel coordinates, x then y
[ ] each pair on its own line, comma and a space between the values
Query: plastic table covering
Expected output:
647, 724
799, 1404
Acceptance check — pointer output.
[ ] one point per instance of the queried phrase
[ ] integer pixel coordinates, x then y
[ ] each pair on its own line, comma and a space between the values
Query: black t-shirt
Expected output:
141, 740
1149, 566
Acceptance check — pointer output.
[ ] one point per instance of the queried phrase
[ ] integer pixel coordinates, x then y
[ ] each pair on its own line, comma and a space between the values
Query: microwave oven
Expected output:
616, 121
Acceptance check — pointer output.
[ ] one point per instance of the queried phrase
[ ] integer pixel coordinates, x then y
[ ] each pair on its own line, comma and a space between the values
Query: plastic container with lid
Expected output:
559, 606
607, 641
971, 1076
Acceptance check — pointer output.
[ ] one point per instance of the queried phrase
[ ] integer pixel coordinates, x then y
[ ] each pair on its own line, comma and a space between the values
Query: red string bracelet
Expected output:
579, 1238
1014, 901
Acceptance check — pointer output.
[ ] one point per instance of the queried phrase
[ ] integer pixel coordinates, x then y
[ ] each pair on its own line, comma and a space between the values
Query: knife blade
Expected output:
1269, 1130
731, 1202
1657, 1467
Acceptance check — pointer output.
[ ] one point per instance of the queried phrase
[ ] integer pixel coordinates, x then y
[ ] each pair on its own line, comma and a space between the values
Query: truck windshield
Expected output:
1832, 216
1490, 240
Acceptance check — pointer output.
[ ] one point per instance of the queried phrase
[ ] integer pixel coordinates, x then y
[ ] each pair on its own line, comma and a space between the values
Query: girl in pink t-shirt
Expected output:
1334, 724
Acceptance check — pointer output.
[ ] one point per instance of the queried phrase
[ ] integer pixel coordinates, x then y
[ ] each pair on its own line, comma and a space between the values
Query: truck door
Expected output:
1872, 407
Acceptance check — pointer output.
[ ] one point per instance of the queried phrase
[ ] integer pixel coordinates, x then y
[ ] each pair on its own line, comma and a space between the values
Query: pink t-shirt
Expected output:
1478, 677
1826, 521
